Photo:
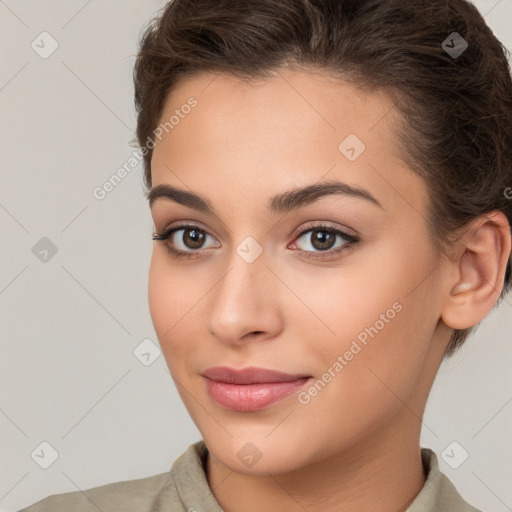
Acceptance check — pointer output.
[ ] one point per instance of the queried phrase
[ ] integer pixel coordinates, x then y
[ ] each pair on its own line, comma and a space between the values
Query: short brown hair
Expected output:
456, 122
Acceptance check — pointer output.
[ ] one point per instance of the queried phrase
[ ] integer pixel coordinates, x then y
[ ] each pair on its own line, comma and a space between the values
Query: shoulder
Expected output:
438, 493
141, 495
169, 492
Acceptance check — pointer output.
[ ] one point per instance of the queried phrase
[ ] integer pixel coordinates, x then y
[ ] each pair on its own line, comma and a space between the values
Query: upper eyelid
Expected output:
313, 225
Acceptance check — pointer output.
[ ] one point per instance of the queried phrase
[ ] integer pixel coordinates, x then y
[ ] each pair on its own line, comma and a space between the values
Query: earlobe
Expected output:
479, 270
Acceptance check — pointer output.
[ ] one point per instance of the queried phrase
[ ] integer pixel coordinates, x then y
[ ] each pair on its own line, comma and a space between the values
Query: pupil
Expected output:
196, 237
324, 238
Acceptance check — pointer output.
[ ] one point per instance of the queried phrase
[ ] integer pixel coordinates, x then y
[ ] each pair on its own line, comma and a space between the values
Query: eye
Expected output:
185, 244
322, 239
321, 242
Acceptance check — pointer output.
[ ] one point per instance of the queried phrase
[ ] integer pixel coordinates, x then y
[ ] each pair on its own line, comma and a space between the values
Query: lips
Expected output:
250, 389
251, 375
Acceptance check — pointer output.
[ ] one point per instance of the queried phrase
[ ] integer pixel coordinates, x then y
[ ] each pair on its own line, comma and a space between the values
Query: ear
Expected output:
478, 272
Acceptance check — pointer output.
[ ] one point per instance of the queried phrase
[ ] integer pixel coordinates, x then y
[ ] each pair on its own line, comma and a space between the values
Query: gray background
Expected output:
70, 324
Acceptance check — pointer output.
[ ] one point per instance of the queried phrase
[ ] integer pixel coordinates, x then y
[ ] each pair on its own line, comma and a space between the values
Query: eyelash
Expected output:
351, 241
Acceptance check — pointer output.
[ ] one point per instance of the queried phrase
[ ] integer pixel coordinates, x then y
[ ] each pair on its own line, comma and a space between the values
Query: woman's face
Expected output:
263, 285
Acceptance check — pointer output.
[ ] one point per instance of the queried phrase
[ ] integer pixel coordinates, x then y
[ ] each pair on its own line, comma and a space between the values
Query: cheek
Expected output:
161, 296
375, 314
370, 367
173, 297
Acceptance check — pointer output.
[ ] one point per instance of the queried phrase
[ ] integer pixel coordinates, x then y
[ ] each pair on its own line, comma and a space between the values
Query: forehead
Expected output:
293, 128
305, 98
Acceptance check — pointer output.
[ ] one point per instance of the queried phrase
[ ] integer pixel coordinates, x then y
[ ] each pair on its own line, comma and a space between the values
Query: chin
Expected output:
257, 457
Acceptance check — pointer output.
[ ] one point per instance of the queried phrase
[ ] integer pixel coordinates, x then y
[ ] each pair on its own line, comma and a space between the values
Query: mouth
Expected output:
250, 389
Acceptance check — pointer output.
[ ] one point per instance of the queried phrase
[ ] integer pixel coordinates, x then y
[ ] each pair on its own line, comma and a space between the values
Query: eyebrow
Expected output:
280, 203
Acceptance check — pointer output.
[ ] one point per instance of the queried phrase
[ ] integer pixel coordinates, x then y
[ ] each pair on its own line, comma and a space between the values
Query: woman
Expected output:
330, 187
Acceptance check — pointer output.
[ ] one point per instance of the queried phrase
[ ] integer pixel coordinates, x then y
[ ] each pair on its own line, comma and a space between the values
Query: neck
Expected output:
384, 474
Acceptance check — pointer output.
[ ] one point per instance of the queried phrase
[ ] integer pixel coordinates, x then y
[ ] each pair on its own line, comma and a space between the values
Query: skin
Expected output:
357, 440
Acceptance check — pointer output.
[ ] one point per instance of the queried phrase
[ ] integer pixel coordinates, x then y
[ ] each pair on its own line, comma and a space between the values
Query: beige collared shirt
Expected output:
185, 489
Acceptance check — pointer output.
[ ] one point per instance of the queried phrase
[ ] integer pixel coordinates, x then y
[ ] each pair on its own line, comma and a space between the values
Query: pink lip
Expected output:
250, 389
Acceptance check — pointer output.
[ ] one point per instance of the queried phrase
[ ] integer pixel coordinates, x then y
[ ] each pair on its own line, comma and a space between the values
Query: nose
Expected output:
245, 303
